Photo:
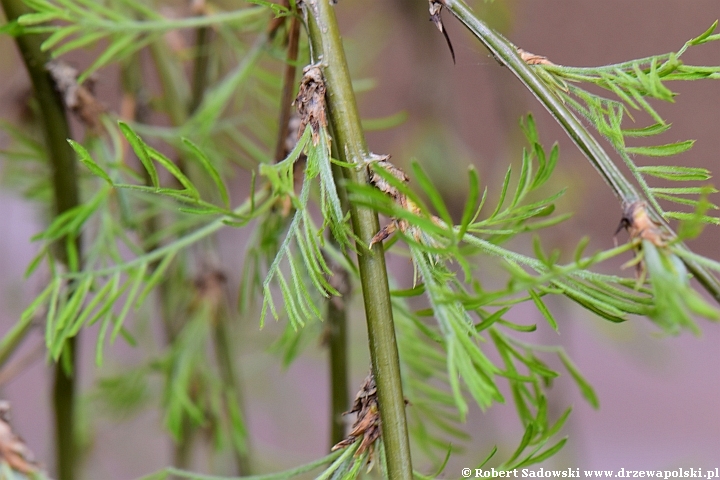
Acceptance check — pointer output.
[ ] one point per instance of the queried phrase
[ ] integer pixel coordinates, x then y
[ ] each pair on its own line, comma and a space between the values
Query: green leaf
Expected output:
210, 169
87, 160
585, 388
37, 18
470, 203
175, 171
503, 192
79, 42
59, 36
676, 173
140, 149
530, 460
705, 36
654, 129
685, 190
117, 50
693, 217
543, 309
662, 150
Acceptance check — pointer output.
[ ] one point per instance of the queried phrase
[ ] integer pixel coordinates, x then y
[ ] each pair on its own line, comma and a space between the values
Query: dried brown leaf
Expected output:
640, 226
367, 423
381, 161
532, 59
310, 101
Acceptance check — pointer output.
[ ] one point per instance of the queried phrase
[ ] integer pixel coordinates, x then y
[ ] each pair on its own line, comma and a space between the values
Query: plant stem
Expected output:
338, 351
350, 142
66, 196
337, 326
226, 365
200, 68
506, 53
288, 88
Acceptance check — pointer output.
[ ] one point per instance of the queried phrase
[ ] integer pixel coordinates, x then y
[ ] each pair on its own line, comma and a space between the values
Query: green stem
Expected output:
337, 327
161, 24
66, 196
229, 376
288, 88
200, 68
350, 141
338, 352
506, 53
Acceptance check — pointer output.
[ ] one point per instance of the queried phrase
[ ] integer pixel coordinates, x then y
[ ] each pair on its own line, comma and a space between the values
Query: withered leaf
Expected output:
402, 200
367, 423
640, 226
532, 59
310, 101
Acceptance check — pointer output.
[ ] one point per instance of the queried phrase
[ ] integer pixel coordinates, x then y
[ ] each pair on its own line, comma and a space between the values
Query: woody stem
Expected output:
350, 142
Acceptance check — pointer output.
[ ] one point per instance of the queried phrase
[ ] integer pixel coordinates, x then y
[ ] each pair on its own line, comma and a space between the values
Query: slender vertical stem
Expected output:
200, 68
66, 196
174, 101
350, 142
506, 53
338, 351
288, 88
229, 376
337, 328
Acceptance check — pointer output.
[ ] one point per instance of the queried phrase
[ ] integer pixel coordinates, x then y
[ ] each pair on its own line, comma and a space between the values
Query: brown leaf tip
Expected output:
640, 226
310, 101
400, 199
532, 59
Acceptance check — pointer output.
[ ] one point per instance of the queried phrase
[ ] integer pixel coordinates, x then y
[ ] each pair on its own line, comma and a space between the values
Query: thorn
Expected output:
435, 9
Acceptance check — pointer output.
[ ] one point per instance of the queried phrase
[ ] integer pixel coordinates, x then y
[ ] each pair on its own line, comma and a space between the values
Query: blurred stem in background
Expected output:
66, 196
179, 104
350, 141
337, 320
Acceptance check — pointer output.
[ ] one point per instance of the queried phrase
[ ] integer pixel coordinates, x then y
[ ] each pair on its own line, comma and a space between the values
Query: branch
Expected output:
66, 196
350, 141
506, 53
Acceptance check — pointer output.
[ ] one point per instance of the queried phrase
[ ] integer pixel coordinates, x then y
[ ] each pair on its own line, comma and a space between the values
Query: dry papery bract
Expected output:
381, 161
310, 101
532, 59
640, 226
367, 423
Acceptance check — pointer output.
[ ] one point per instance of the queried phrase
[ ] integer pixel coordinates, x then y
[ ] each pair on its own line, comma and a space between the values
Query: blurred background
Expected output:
658, 395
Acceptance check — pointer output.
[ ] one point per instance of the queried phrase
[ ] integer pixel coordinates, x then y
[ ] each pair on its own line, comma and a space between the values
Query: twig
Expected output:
288, 91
